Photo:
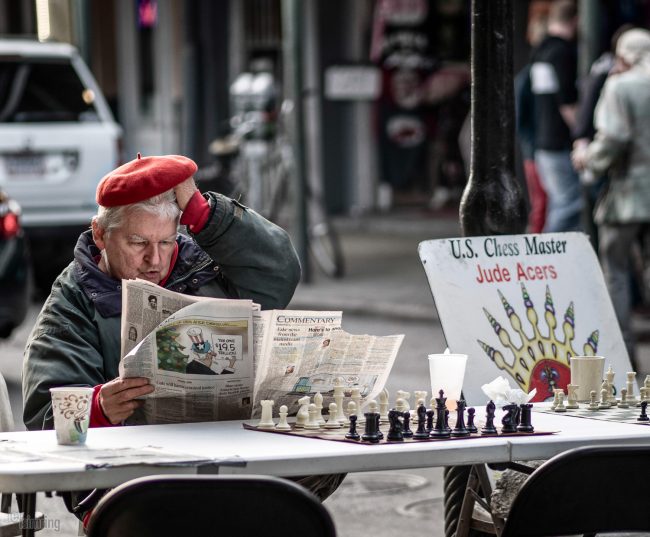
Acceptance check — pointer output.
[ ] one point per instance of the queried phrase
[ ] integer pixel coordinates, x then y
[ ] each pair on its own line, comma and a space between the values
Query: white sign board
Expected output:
520, 306
352, 82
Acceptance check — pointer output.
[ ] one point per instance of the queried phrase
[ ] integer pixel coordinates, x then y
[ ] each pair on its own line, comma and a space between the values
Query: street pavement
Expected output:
384, 291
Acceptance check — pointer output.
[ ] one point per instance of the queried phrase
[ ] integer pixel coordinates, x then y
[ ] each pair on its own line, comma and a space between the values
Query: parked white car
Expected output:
58, 138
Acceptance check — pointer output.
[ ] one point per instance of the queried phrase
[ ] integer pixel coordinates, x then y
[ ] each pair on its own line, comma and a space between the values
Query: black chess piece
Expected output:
440, 429
395, 432
643, 416
430, 414
509, 421
421, 432
489, 427
352, 434
525, 418
407, 428
447, 428
379, 433
460, 430
470, 420
370, 434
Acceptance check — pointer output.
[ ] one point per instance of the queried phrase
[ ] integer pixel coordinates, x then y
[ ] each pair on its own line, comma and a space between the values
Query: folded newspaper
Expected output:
215, 359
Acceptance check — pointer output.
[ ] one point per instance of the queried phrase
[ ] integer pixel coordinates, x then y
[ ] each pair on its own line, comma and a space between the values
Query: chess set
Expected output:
605, 405
378, 424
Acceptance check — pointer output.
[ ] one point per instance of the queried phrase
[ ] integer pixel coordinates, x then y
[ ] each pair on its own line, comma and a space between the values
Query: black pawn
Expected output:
395, 432
352, 434
643, 416
525, 418
407, 428
370, 434
421, 433
430, 420
509, 421
470, 420
489, 427
460, 430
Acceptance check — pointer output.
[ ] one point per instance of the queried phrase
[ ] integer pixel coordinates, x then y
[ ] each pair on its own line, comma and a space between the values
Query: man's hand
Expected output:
184, 192
117, 397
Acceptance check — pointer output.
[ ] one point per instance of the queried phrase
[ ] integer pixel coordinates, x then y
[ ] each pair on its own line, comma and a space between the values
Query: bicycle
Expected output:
259, 165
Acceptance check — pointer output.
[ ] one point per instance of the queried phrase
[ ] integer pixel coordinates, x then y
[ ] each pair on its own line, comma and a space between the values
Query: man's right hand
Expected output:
117, 397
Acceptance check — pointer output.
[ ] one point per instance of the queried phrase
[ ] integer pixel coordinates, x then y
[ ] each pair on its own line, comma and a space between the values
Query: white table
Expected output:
234, 450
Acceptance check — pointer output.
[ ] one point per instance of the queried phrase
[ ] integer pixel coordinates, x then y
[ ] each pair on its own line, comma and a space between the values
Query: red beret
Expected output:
143, 178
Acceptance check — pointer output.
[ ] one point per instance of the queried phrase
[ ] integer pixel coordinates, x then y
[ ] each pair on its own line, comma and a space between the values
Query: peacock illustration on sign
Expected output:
542, 359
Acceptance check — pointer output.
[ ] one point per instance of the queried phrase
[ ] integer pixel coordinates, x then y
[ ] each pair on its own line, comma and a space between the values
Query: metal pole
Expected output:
293, 83
492, 203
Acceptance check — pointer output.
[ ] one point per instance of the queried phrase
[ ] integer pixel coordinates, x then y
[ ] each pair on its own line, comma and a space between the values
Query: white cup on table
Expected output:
71, 408
447, 372
588, 373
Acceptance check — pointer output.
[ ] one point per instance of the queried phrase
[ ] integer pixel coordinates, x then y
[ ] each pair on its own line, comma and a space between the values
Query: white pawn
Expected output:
604, 404
401, 394
560, 403
303, 412
318, 401
266, 421
400, 405
420, 398
593, 403
352, 410
313, 418
332, 421
623, 402
283, 424
572, 399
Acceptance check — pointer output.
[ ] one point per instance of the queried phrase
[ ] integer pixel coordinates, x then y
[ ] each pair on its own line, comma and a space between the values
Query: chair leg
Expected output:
28, 508
478, 480
486, 486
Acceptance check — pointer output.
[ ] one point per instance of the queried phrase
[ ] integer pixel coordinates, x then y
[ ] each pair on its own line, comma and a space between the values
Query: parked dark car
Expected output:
15, 271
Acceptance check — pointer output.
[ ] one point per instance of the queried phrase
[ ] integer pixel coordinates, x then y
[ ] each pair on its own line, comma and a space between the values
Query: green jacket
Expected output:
76, 338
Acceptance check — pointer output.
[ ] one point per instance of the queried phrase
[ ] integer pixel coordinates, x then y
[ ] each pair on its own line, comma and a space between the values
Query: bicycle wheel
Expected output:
324, 243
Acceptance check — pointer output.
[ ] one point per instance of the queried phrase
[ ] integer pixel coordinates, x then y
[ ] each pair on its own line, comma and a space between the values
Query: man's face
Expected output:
141, 248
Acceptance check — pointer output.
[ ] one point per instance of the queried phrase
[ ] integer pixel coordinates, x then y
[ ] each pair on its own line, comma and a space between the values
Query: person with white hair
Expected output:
621, 148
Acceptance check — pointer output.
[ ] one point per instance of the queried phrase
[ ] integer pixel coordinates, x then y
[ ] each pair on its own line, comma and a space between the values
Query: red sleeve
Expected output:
97, 416
196, 213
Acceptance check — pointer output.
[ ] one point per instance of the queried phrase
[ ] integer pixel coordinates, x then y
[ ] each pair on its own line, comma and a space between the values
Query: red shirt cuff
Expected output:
196, 213
97, 416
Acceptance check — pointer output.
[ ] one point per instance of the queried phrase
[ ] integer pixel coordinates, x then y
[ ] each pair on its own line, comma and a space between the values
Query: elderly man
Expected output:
621, 148
233, 252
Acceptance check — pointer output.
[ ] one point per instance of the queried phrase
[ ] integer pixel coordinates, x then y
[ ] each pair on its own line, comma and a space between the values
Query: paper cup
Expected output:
587, 372
71, 409
447, 372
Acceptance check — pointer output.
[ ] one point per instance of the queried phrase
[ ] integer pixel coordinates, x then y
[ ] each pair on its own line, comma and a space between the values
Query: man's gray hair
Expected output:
163, 205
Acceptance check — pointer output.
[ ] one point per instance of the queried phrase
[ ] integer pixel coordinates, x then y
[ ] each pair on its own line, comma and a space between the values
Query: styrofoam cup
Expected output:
447, 372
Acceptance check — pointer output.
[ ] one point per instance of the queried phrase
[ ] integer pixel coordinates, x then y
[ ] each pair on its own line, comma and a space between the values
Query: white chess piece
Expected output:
623, 403
604, 404
352, 410
556, 397
283, 424
318, 401
629, 385
332, 421
313, 418
560, 403
401, 394
420, 398
303, 412
572, 397
593, 403
400, 405
383, 406
611, 398
266, 421
356, 397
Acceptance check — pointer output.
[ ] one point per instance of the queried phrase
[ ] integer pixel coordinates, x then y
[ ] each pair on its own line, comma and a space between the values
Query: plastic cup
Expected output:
587, 372
447, 372
71, 409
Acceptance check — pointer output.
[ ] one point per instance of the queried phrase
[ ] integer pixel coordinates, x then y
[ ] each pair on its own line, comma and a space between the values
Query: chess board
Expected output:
338, 435
620, 415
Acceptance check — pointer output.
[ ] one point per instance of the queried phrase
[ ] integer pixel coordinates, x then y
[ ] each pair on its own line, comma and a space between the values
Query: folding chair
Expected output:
588, 490
236, 506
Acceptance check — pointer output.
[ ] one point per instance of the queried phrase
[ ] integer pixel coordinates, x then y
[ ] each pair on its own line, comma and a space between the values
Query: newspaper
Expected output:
215, 359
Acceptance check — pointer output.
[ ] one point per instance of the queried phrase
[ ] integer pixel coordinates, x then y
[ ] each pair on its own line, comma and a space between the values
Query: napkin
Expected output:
500, 391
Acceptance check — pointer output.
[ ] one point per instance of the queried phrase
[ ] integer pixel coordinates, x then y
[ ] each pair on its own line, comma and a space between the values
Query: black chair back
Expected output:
587, 490
220, 505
